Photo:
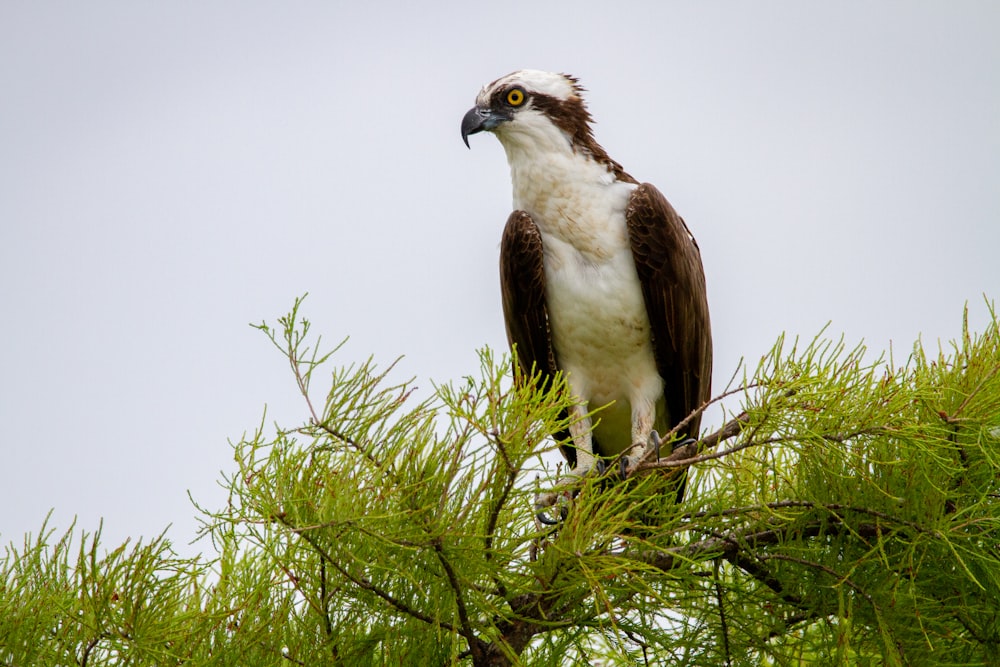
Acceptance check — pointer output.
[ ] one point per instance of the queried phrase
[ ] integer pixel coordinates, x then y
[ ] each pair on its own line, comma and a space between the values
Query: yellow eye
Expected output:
515, 97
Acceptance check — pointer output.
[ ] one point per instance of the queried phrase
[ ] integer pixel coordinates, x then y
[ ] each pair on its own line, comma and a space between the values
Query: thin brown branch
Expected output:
365, 451
746, 540
302, 381
364, 584
748, 561
704, 406
978, 388
90, 647
324, 600
828, 570
687, 455
723, 623
289, 658
510, 479
742, 550
728, 430
672, 462
749, 564
792, 620
463, 614
807, 504
501, 501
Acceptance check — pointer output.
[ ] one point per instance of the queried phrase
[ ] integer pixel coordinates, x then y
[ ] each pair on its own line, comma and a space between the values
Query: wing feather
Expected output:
522, 285
668, 261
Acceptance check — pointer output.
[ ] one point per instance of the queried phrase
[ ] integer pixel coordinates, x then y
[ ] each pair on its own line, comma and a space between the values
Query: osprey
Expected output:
600, 277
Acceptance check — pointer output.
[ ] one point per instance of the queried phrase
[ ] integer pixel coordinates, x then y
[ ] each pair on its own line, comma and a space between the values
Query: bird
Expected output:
600, 278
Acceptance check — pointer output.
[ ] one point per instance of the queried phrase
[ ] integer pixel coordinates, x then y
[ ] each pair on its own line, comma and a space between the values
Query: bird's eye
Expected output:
515, 97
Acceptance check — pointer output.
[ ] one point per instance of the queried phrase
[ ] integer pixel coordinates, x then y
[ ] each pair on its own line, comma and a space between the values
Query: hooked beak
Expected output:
478, 119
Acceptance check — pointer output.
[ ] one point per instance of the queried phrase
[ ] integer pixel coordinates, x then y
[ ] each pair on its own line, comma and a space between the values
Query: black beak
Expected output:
474, 121
478, 119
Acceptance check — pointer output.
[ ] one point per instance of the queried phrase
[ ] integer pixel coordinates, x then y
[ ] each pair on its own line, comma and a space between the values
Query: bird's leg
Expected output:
579, 430
643, 418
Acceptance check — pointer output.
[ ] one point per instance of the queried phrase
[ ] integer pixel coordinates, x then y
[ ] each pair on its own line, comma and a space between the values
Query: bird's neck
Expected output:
546, 178
576, 201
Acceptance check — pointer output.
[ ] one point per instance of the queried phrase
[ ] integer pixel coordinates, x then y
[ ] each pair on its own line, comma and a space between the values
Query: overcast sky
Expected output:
170, 172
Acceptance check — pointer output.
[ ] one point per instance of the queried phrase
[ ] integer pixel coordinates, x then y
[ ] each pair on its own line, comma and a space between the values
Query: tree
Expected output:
849, 514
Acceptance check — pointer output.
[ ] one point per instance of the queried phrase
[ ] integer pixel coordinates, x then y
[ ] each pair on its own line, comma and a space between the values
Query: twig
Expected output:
960, 408
704, 406
327, 625
494, 515
747, 539
688, 454
463, 615
364, 584
724, 626
830, 507
824, 568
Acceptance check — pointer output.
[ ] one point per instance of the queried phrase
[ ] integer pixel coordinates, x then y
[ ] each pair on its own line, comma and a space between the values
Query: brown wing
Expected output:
673, 284
522, 285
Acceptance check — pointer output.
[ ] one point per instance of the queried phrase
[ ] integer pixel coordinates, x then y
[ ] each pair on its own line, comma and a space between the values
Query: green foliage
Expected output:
867, 506
850, 514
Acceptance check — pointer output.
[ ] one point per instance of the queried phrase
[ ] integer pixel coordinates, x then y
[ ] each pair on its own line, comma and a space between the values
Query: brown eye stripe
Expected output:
571, 116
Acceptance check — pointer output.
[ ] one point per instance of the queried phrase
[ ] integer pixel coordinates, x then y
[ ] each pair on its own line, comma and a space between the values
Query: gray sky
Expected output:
170, 172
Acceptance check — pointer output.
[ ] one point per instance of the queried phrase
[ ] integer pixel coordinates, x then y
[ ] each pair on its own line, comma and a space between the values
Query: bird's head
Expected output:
530, 105
531, 111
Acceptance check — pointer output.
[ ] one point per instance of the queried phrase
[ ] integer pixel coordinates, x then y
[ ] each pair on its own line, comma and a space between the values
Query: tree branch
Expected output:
687, 455
476, 645
746, 540
364, 584
723, 624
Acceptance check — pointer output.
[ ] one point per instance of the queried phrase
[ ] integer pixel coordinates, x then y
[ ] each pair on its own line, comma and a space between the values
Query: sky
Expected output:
172, 172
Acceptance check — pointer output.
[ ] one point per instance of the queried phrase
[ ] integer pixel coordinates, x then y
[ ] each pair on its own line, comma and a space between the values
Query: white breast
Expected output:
600, 329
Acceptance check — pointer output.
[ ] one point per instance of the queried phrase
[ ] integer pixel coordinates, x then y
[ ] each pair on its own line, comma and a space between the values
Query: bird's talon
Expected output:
684, 443
546, 502
623, 468
544, 518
